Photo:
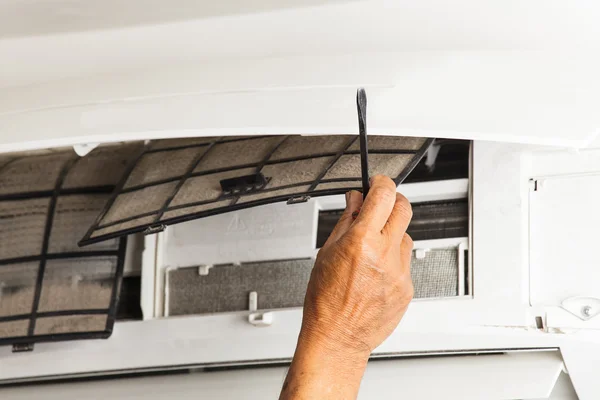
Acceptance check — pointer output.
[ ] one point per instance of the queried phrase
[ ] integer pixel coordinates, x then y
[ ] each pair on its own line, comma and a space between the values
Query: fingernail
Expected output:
355, 214
347, 197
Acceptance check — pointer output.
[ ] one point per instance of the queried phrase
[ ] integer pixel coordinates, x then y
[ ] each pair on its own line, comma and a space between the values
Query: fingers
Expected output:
406, 248
354, 201
399, 218
379, 203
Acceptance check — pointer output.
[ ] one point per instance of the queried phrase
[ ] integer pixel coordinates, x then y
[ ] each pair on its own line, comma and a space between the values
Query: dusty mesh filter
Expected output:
282, 284
177, 180
279, 284
50, 289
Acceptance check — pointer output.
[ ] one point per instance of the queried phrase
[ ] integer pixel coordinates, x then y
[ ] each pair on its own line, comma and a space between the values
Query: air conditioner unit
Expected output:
167, 129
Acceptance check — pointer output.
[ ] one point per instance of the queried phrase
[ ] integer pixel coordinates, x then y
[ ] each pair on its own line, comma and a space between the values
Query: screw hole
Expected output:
539, 323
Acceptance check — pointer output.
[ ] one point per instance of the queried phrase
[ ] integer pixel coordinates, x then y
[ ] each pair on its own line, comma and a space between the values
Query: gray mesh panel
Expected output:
232, 154
71, 323
296, 190
295, 172
301, 146
391, 143
125, 225
437, 274
205, 187
17, 283
258, 170
85, 283
194, 209
102, 167
279, 284
22, 224
47, 201
32, 174
162, 165
73, 216
346, 185
348, 166
14, 328
148, 199
282, 284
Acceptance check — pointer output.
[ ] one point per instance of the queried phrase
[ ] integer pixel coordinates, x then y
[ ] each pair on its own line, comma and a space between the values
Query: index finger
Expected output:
399, 218
379, 204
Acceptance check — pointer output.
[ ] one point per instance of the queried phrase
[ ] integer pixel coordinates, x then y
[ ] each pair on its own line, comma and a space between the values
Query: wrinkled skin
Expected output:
358, 292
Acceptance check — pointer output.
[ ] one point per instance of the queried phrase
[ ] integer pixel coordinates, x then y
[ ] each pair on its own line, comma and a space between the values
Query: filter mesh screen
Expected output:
177, 180
22, 228
171, 164
70, 323
436, 275
18, 281
85, 282
282, 284
71, 218
110, 160
22, 175
50, 289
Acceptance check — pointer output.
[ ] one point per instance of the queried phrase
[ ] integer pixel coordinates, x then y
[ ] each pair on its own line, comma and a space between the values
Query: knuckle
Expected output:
383, 193
403, 206
409, 293
345, 217
384, 182
404, 289
408, 241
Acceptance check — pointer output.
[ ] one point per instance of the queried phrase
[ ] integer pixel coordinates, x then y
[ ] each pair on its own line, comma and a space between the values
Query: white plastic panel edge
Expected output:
432, 94
499, 377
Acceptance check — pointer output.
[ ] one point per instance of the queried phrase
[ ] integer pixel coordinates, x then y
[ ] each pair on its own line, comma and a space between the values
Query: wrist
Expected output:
319, 370
335, 339
333, 353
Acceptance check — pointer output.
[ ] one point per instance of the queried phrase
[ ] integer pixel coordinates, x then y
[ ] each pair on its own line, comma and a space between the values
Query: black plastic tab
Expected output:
244, 184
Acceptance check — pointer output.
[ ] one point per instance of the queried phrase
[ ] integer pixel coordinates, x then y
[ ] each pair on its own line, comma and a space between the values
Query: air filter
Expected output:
49, 288
282, 284
182, 179
225, 288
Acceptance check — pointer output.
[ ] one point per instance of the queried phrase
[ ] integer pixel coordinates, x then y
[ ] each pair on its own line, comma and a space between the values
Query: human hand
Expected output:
361, 286
359, 290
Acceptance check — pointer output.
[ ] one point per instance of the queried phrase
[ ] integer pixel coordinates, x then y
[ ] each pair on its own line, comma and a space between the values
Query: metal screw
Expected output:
587, 311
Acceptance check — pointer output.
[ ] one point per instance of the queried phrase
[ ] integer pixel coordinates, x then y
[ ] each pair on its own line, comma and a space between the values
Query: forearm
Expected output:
318, 371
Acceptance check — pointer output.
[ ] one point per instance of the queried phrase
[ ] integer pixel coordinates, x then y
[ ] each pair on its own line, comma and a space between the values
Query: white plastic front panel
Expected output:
499, 377
270, 232
564, 221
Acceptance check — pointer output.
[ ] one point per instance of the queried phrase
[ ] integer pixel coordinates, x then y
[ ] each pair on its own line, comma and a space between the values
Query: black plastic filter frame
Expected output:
44, 256
159, 223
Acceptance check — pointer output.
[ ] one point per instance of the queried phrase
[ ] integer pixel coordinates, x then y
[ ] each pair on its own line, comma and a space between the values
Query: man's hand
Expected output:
359, 290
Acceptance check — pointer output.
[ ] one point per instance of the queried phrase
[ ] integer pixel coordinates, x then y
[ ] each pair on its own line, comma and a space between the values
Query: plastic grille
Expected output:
50, 289
180, 179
